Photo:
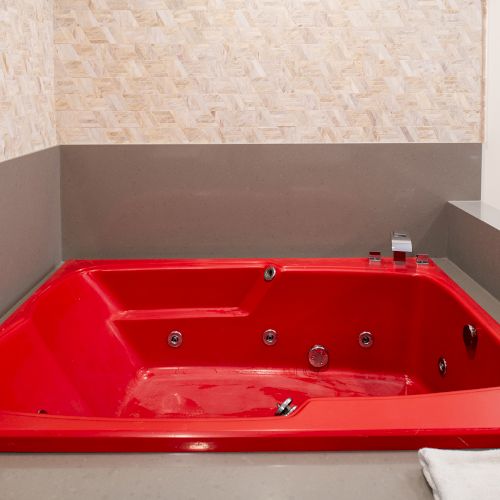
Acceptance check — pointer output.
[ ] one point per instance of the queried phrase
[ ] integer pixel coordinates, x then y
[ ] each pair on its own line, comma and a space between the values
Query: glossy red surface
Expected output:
85, 364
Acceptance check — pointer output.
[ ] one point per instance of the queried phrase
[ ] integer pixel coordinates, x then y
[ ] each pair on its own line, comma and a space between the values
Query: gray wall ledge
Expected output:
482, 211
474, 241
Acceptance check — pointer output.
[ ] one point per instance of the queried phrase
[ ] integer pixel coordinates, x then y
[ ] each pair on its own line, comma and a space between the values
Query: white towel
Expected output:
462, 474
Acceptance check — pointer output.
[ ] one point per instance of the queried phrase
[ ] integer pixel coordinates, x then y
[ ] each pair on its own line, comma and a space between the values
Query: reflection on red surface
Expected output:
90, 349
208, 391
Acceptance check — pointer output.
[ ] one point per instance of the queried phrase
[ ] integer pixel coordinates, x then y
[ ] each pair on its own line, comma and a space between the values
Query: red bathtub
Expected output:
196, 355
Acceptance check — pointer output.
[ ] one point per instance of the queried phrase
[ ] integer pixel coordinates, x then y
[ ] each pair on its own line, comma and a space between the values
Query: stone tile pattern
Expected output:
27, 115
268, 71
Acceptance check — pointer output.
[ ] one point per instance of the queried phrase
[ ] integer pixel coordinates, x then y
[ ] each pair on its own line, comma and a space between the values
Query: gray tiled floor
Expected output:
379, 475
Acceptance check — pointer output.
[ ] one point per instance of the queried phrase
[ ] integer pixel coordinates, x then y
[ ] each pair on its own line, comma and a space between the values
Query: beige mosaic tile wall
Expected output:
27, 116
191, 71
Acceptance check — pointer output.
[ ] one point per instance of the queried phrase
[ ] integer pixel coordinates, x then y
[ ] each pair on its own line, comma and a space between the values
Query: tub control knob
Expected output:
285, 408
318, 356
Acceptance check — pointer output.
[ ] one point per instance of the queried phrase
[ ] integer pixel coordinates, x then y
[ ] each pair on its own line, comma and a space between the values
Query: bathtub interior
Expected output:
93, 343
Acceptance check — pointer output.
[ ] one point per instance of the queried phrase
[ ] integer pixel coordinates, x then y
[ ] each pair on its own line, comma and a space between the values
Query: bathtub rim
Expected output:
31, 432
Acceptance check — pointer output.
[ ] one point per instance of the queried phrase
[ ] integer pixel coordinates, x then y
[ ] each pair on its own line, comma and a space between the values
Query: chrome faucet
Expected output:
401, 245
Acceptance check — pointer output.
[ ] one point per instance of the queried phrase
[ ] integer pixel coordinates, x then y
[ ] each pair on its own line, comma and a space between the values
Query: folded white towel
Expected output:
462, 474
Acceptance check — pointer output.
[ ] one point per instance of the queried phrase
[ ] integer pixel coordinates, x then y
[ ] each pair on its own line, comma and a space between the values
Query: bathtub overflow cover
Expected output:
174, 339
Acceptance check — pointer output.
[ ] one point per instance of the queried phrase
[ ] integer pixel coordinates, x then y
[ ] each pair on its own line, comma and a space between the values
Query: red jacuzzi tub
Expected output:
195, 355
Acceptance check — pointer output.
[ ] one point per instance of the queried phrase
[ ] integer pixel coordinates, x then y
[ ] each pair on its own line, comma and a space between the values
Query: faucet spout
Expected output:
401, 245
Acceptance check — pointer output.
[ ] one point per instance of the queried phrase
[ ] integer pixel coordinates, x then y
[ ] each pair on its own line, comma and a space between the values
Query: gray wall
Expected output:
236, 200
474, 245
260, 200
30, 222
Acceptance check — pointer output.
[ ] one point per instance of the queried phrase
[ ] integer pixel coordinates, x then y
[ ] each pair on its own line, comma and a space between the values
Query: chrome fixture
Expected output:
442, 366
270, 337
318, 356
285, 408
174, 338
401, 245
422, 258
470, 336
365, 339
374, 257
269, 273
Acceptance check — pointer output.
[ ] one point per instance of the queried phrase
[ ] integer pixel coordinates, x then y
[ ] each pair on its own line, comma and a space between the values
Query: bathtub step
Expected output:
247, 392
